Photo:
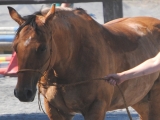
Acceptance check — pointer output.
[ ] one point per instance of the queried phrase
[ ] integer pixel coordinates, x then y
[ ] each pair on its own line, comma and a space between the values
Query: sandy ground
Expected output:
12, 109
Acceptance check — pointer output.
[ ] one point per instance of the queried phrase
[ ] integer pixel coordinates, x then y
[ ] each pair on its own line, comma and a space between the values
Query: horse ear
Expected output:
50, 13
15, 16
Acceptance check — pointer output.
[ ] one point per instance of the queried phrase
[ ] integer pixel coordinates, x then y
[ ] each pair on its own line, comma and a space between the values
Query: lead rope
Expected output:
81, 82
39, 102
125, 103
39, 99
65, 85
49, 58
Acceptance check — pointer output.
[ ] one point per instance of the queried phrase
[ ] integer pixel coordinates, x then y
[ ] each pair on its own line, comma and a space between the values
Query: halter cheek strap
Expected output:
39, 71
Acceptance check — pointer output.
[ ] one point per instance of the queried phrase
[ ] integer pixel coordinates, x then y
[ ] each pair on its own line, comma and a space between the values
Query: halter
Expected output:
42, 75
65, 85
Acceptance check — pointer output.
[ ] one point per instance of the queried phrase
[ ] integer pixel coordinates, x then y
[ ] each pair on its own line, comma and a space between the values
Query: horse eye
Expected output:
41, 48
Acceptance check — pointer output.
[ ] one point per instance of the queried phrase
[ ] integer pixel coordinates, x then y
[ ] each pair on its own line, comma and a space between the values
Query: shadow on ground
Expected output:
40, 116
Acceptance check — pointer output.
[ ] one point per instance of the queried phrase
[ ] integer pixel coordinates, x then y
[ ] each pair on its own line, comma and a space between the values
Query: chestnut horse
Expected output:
60, 49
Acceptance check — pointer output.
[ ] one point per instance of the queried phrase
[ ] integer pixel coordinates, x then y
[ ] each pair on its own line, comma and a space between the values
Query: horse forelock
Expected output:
29, 20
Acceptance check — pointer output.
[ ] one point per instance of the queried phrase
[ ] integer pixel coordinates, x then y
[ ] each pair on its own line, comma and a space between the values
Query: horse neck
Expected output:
62, 43
78, 51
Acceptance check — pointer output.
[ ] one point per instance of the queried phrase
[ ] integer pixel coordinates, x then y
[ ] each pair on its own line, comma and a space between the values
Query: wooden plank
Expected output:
112, 9
4, 2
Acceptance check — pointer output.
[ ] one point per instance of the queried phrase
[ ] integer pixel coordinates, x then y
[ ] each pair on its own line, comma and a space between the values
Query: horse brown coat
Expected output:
80, 49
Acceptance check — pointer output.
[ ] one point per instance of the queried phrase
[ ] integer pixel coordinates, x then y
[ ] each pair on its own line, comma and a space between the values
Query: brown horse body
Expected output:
76, 48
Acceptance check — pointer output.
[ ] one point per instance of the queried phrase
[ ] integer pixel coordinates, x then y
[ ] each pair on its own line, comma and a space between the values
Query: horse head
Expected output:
53, 39
34, 50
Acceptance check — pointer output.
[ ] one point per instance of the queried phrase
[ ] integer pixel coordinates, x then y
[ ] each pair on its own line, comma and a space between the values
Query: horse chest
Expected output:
68, 99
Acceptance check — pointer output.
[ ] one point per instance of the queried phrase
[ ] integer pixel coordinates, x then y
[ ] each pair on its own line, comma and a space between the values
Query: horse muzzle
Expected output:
25, 95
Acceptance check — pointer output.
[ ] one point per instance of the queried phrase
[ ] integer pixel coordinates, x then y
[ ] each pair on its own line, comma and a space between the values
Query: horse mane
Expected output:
30, 19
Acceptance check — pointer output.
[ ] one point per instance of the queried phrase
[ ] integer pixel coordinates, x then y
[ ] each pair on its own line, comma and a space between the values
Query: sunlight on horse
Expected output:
61, 49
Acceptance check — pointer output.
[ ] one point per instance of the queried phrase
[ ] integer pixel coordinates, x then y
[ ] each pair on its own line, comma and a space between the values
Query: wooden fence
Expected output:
112, 9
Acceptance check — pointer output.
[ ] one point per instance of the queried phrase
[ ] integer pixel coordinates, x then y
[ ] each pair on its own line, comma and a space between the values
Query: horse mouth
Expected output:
26, 100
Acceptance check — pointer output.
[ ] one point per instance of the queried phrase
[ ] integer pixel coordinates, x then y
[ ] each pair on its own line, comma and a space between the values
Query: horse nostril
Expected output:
28, 93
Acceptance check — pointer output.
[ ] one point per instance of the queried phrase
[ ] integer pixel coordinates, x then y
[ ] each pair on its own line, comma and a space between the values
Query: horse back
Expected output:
128, 33
139, 36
